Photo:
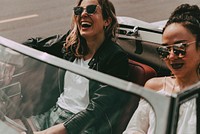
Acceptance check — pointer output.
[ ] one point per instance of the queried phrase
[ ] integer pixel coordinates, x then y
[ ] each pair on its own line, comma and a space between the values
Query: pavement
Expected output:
22, 19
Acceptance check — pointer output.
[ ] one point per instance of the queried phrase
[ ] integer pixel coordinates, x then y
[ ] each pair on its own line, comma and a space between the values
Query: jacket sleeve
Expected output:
139, 122
52, 45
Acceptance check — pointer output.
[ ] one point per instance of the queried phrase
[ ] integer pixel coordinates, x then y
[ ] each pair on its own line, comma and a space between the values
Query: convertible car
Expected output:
23, 69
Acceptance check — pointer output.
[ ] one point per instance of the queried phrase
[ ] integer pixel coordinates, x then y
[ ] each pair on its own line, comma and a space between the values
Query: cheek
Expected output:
192, 60
193, 55
98, 27
198, 58
76, 22
98, 20
198, 54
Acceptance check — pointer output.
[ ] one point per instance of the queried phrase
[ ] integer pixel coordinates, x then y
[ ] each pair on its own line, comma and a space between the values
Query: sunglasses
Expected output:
90, 9
179, 50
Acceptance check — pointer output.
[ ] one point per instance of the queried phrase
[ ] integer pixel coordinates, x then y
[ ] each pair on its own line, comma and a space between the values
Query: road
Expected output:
22, 19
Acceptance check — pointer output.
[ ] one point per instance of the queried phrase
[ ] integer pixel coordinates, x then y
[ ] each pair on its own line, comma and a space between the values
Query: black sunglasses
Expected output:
179, 50
90, 9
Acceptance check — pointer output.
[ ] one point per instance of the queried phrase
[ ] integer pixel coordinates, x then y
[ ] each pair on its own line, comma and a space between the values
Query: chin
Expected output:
85, 34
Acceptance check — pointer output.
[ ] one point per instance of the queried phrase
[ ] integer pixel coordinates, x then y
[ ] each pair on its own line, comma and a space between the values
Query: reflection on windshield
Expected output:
24, 82
27, 87
21, 79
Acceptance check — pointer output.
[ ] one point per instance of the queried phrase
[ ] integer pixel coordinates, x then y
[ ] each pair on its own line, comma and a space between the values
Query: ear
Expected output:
107, 21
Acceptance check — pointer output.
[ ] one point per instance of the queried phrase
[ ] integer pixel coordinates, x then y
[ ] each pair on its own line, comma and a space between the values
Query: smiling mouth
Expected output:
177, 65
86, 24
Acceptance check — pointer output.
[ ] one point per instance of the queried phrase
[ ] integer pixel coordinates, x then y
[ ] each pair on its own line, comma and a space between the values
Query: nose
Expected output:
84, 13
172, 55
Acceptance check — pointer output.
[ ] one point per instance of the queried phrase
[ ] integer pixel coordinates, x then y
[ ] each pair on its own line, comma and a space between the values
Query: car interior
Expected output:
24, 91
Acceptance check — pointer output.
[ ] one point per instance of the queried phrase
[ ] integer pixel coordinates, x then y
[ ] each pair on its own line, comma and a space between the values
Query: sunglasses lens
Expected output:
91, 9
163, 52
180, 50
78, 10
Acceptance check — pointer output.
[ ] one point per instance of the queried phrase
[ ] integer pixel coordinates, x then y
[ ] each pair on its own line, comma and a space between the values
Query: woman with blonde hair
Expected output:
85, 106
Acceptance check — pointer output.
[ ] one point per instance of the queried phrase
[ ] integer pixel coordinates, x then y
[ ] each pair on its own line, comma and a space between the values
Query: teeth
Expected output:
86, 24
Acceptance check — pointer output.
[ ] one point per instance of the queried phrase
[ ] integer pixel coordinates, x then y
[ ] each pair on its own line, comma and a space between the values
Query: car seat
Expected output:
139, 74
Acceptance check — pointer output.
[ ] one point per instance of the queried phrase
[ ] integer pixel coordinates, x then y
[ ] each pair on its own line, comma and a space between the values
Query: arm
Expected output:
154, 83
57, 129
139, 122
105, 101
52, 45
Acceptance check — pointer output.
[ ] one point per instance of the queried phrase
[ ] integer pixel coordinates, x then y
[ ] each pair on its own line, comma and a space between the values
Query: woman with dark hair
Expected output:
181, 53
85, 106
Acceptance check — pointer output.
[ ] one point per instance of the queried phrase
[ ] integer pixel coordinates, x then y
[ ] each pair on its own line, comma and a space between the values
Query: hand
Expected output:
40, 132
57, 129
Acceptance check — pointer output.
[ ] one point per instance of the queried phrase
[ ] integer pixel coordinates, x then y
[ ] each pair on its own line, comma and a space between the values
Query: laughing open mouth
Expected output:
177, 65
86, 24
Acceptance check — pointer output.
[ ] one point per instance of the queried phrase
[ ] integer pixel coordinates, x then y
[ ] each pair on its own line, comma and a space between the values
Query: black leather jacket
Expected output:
105, 101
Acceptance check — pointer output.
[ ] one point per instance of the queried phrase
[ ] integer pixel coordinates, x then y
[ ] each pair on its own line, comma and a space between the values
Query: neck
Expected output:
93, 46
184, 83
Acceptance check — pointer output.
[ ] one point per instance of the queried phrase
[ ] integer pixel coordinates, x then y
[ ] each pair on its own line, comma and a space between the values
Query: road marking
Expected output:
19, 18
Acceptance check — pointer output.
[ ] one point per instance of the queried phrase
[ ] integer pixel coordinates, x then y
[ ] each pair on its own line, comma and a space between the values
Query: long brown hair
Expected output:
76, 44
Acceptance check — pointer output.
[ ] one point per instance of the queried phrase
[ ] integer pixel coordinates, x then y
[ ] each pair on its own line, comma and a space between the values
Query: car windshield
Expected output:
23, 76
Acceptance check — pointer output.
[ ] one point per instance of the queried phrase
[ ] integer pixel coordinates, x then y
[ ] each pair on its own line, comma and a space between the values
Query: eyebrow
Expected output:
177, 42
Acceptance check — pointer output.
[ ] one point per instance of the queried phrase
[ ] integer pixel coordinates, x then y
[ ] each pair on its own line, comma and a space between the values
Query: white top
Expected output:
75, 97
143, 120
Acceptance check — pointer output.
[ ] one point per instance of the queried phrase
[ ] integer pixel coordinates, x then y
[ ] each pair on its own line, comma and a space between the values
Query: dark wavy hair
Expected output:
76, 44
189, 17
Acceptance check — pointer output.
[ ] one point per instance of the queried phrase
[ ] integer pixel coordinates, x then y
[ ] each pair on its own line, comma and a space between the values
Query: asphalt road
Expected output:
22, 19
